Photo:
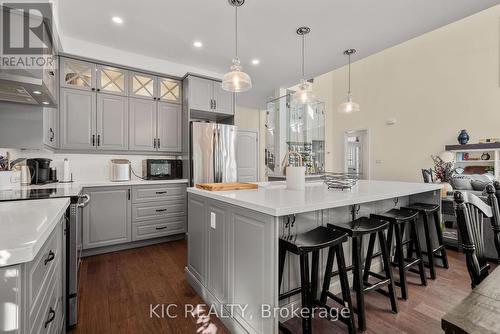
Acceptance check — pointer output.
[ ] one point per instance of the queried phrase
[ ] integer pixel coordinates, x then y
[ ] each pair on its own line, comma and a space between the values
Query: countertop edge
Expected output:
277, 212
28, 253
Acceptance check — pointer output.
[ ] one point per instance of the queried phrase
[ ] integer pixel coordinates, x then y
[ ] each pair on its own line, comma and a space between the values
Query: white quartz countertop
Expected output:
25, 226
274, 199
74, 188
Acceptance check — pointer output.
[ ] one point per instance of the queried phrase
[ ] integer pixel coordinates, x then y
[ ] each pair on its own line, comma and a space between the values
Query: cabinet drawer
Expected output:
46, 313
42, 267
144, 194
158, 210
158, 228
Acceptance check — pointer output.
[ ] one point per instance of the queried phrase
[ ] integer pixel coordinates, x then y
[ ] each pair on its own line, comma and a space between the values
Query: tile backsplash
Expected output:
84, 167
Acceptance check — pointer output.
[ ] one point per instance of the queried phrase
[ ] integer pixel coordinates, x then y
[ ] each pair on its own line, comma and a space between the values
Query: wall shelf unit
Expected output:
475, 151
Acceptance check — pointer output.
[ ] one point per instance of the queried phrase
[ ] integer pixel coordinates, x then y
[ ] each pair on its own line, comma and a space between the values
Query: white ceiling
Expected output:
166, 29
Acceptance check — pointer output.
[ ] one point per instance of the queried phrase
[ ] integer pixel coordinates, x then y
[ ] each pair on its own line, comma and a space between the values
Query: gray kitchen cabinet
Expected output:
169, 127
78, 119
112, 122
143, 86
208, 95
197, 229
112, 80
142, 128
200, 94
155, 126
51, 127
169, 90
106, 219
32, 293
217, 269
223, 100
77, 74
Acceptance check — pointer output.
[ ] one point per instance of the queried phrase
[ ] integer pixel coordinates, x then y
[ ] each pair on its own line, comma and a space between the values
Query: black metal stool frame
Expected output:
308, 285
432, 253
397, 229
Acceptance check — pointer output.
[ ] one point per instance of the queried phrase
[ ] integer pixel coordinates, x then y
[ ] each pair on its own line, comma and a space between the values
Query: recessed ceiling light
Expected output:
117, 20
37, 92
197, 44
255, 61
45, 102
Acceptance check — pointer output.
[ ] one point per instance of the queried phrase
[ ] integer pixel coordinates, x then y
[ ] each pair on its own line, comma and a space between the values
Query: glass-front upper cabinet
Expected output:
142, 85
295, 127
306, 134
112, 80
169, 90
78, 74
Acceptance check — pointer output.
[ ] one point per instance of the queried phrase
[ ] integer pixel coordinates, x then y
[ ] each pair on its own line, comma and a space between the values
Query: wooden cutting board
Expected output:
226, 186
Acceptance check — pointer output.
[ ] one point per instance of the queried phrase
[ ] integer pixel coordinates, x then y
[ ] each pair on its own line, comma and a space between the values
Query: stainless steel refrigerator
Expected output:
213, 153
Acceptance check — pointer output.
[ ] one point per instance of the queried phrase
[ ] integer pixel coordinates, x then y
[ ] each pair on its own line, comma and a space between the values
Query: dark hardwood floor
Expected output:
116, 291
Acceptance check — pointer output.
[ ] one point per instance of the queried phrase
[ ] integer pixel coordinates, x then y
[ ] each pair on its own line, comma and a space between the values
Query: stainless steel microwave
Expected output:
161, 169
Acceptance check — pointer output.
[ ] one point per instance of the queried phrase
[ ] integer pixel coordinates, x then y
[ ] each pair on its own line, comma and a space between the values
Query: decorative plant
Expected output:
443, 170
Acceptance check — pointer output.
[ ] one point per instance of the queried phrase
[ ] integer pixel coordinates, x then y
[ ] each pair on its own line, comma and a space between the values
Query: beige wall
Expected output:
433, 85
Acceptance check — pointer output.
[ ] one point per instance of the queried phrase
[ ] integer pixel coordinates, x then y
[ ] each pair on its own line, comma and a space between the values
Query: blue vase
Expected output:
463, 137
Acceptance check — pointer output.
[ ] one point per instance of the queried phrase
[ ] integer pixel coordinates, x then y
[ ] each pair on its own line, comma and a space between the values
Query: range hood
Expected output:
35, 87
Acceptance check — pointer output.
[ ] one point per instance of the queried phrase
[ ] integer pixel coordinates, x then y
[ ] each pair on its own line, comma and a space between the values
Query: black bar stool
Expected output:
399, 219
312, 242
426, 210
356, 230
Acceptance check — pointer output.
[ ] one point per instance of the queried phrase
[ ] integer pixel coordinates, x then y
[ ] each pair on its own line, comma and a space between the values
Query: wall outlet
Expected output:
213, 219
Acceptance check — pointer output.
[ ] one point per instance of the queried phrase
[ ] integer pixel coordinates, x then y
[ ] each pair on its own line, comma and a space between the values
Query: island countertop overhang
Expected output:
272, 198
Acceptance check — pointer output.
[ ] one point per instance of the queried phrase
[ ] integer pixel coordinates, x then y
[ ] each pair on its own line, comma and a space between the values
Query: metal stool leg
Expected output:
328, 276
430, 250
344, 283
305, 294
357, 244
388, 271
416, 242
400, 262
439, 231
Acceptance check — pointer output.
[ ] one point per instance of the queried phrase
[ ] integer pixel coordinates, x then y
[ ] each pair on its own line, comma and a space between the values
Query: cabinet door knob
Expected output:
98, 89
93, 89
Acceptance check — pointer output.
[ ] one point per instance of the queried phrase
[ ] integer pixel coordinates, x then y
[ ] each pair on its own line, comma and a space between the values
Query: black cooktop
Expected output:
30, 193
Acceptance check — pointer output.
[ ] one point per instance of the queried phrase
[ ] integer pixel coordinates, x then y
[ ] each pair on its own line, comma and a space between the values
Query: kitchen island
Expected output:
233, 240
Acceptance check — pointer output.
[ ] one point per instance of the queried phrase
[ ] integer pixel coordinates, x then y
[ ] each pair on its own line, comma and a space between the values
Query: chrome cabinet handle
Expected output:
84, 203
52, 315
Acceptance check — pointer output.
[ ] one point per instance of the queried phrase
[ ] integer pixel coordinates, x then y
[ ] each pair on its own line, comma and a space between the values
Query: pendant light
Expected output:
236, 80
304, 94
349, 106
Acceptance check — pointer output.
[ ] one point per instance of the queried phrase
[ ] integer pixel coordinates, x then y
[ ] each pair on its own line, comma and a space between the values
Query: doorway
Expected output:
357, 153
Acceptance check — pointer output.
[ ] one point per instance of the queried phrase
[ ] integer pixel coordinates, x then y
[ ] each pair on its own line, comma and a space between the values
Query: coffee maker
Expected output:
40, 170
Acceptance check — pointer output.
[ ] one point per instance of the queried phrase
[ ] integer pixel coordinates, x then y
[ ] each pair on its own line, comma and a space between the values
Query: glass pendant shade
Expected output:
349, 106
236, 80
304, 94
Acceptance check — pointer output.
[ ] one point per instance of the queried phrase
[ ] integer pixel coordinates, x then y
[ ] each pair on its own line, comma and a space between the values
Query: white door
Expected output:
357, 153
247, 155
